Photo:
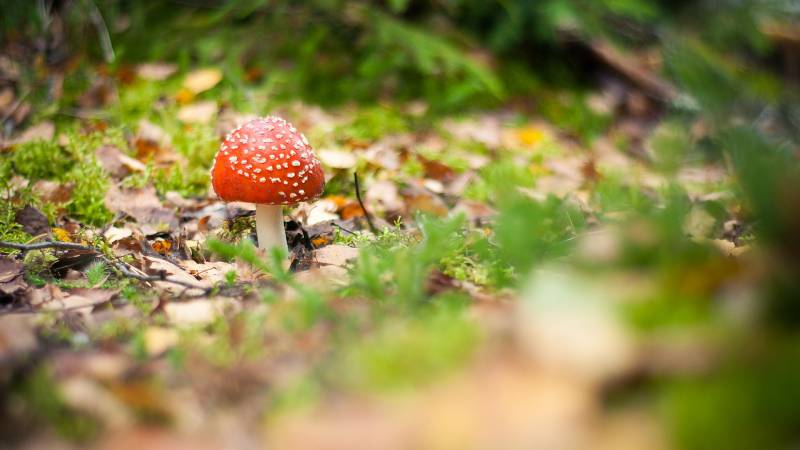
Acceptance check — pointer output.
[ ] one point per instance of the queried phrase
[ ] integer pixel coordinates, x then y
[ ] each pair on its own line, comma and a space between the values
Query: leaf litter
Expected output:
204, 330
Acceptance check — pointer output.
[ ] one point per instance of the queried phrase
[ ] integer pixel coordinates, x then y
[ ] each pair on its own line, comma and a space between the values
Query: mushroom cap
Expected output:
267, 161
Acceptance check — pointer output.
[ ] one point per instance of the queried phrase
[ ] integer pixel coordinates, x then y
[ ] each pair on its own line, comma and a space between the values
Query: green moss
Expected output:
39, 160
374, 122
87, 203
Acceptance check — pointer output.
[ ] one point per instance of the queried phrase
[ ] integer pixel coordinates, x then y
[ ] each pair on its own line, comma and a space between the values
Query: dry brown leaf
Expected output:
195, 312
116, 163
153, 143
155, 266
201, 80
337, 159
33, 221
474, 210
52, 191
91, 398
141, 204
12, 281
324, 278
114, 234
42, 131
158, 340
436, 169
336, 255
212, 271
101, 92
384, 193
156, 71
418, 199
199, 112
17, 335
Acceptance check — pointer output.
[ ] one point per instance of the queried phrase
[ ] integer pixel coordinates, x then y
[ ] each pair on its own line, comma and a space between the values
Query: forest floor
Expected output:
508, 282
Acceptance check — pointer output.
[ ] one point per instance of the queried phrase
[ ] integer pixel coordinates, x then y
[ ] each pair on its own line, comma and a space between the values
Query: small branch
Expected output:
342, 228
119, 266
102, 32
46, 244
363, 208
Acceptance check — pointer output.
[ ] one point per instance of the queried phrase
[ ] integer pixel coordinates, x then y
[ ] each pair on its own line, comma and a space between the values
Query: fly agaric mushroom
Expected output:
267, 162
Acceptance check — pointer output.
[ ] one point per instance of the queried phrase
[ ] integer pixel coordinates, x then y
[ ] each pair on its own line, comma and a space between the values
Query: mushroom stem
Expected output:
269, 227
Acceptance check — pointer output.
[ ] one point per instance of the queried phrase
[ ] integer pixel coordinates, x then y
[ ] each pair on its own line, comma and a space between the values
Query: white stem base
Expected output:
269, 227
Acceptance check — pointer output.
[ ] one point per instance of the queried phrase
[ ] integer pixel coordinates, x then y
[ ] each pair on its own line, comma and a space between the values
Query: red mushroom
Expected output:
267, 162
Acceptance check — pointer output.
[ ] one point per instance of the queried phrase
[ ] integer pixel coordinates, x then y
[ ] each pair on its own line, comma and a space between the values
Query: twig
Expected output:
363, 208
102, 32
46, 244
119, 266
342, 228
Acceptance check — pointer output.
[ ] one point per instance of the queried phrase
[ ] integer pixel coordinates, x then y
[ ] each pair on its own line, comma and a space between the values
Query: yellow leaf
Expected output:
529, 135
61, 235
202, 80
184, 96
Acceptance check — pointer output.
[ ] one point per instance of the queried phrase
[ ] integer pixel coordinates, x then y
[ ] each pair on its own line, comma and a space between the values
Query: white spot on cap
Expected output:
296, 163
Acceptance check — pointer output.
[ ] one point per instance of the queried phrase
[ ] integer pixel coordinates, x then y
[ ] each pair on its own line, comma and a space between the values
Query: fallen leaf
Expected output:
337, 159
421, 200
474, 210
156, 266
153, 143
101, 92
212, 271
201, 80
61, 234
324, 278
17, 335
336, 255
199, 112
156, 71
33, 221
141, 204
320, 211
52, 191
91, 398
51, 297
385, 193
114, 234
158, 340
195, 312
41, 131
436, 169
12, 280
116, 163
